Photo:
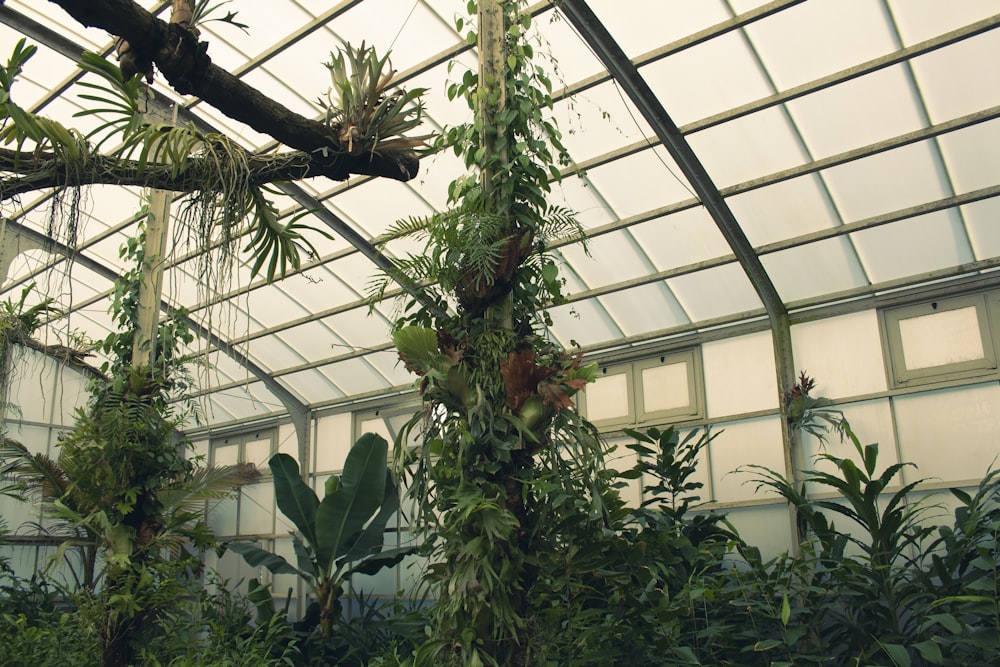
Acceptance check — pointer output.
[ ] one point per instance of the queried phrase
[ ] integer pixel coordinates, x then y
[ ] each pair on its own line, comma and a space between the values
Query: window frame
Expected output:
901, 377
633, 369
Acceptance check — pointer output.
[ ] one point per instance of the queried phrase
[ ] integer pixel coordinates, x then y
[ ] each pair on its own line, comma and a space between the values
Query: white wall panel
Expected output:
281, 583
44, 390
222, 517
871, 421
767, 527
257, 509
288, 441
950, 434
333, 441
16, 513
843, 354
35, 438
751, 442
740, 375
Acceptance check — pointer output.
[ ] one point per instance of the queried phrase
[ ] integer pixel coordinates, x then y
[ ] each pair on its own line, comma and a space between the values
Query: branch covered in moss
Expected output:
184, 62
41, 170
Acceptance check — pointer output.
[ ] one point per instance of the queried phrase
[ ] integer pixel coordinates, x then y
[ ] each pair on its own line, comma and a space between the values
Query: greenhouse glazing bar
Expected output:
627, 75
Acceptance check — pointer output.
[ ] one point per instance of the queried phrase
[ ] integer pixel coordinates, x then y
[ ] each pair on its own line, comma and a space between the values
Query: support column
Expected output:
151, 286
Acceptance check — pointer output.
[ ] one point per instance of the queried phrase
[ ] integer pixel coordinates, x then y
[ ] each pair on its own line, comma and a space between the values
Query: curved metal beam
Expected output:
622, 70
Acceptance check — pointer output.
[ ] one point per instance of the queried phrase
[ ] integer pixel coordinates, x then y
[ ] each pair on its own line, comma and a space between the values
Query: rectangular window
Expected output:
255, 448
940, 340
657, 389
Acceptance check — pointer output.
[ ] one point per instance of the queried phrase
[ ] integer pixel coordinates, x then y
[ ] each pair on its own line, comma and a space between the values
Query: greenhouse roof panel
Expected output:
854, 141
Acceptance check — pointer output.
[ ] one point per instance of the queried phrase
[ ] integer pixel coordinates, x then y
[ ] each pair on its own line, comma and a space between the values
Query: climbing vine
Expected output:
498, 417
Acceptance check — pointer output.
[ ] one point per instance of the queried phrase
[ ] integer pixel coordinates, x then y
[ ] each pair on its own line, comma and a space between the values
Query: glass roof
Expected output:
857, 143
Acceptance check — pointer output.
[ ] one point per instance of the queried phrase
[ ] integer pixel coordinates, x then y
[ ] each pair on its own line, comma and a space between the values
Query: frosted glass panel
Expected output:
941, 338
665, 387
377, 426
222, 517
258, 452
288, 442
752, 442
256, 509
739, 375
284, 585
768, 528
950, 435
843, 354
607, 398
333, 441
227, 455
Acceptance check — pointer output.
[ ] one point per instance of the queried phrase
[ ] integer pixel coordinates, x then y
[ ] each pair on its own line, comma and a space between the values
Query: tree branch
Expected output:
41, 170
185, 64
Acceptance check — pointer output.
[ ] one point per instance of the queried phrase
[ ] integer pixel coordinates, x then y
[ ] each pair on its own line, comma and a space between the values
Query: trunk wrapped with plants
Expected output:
498, 433
121, 487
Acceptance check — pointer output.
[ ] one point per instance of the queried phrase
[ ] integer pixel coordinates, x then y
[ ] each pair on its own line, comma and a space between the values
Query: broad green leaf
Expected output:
766, 644
362, 488
930, 651
257, 557
370, 540
295, 499
383, 559
898, 654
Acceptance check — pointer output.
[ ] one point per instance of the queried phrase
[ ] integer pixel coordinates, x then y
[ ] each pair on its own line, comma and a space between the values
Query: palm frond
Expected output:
206, 484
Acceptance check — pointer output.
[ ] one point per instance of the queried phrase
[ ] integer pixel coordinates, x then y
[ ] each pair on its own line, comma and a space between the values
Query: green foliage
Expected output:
635, 585
885, 590
21, 127
365, 116
498, 434
224, 208
338, 536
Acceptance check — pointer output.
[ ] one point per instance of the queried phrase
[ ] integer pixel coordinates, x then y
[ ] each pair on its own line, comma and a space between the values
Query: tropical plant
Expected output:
362, 111
121, 486
875, 583
18, 322
228, 205
338, 536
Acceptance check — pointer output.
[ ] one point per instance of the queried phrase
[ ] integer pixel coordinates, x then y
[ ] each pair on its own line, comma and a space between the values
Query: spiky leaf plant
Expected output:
364, 112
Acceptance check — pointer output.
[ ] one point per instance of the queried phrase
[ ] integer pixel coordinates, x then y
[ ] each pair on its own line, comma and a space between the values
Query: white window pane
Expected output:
258, 452
226, 455
607, 398
665, 387
333, 441
937, 339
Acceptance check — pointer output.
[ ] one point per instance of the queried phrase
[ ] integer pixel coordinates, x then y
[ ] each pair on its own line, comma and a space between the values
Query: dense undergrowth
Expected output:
882, 577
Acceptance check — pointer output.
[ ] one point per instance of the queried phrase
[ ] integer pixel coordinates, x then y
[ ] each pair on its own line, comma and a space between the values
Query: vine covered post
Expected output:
497, 415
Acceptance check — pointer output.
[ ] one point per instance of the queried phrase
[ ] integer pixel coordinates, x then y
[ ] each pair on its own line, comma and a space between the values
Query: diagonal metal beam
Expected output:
288, 399
627, 75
